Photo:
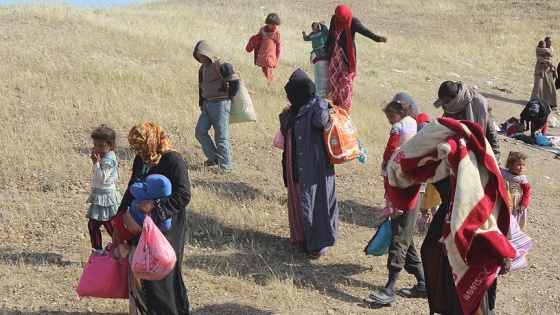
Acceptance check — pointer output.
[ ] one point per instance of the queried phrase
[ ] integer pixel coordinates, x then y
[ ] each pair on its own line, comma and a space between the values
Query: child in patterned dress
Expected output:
105, 197
518, 186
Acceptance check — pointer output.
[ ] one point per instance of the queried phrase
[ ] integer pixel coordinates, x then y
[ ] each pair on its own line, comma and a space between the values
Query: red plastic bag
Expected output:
106, 275
154, 257
341, 137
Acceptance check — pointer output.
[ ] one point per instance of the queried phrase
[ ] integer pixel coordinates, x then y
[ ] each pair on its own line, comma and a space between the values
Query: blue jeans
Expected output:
215, 114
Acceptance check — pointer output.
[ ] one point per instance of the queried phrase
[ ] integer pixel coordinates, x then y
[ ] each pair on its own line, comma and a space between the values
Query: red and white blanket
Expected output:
478, 218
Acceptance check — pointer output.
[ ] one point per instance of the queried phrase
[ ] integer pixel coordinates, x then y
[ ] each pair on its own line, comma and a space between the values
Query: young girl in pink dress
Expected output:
270, 46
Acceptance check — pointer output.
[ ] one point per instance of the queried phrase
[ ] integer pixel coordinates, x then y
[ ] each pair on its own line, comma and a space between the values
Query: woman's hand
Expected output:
146, 206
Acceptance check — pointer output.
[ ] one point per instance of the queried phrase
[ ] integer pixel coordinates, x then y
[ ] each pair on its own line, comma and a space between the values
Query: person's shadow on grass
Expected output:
265, 258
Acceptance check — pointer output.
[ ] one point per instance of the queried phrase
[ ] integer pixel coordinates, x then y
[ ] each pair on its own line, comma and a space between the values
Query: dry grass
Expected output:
66, 70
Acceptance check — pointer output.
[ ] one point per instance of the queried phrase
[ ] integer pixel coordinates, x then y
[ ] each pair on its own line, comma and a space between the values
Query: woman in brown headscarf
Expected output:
341, 50
155, 155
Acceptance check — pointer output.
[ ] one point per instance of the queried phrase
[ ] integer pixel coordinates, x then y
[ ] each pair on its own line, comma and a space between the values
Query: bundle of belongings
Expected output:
512, 126
475, 230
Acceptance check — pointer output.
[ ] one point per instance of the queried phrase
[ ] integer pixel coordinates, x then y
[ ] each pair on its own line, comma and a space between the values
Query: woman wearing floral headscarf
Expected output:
341, 50
155, 155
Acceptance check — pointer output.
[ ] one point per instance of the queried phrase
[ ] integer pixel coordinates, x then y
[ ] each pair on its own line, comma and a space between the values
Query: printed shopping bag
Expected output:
341, 137
154, 257
379, 243
106, 275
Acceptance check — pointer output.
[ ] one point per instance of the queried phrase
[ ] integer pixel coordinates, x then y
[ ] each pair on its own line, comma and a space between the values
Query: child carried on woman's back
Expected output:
403, 127
155, 186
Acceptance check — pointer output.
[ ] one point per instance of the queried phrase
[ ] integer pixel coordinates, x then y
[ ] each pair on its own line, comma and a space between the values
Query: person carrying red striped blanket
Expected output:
477, 220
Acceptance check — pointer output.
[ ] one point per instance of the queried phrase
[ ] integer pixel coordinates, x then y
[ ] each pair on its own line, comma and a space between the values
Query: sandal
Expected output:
318, 253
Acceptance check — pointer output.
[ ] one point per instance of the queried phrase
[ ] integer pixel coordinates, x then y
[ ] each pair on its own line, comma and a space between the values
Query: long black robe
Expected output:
167, 296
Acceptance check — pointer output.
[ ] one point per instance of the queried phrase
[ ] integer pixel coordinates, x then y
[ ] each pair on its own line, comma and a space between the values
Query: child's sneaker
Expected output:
386, 212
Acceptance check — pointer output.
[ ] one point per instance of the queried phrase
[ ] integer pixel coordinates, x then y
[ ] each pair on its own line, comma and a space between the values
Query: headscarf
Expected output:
463, 102
150, 142
299, 90
343, 21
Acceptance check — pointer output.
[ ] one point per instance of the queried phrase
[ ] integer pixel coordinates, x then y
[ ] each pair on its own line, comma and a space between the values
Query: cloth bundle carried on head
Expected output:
478, 221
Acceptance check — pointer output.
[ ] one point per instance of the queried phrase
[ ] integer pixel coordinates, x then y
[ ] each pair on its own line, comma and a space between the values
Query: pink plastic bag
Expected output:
106, 275
278, 141
154, 257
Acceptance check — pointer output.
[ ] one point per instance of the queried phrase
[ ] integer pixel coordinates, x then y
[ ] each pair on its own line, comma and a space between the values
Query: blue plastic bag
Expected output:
379, 243
542, 140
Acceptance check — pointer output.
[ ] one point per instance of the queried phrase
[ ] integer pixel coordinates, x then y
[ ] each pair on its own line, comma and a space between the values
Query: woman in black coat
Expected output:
155, 155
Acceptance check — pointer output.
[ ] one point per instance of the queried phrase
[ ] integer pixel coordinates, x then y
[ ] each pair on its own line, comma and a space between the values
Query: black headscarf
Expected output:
299, 90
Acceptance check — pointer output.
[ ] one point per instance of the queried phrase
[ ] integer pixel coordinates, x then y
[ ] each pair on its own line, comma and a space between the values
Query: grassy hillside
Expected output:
66, 70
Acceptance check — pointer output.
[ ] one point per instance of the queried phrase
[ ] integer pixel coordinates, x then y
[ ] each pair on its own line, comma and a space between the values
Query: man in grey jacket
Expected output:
218, 84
